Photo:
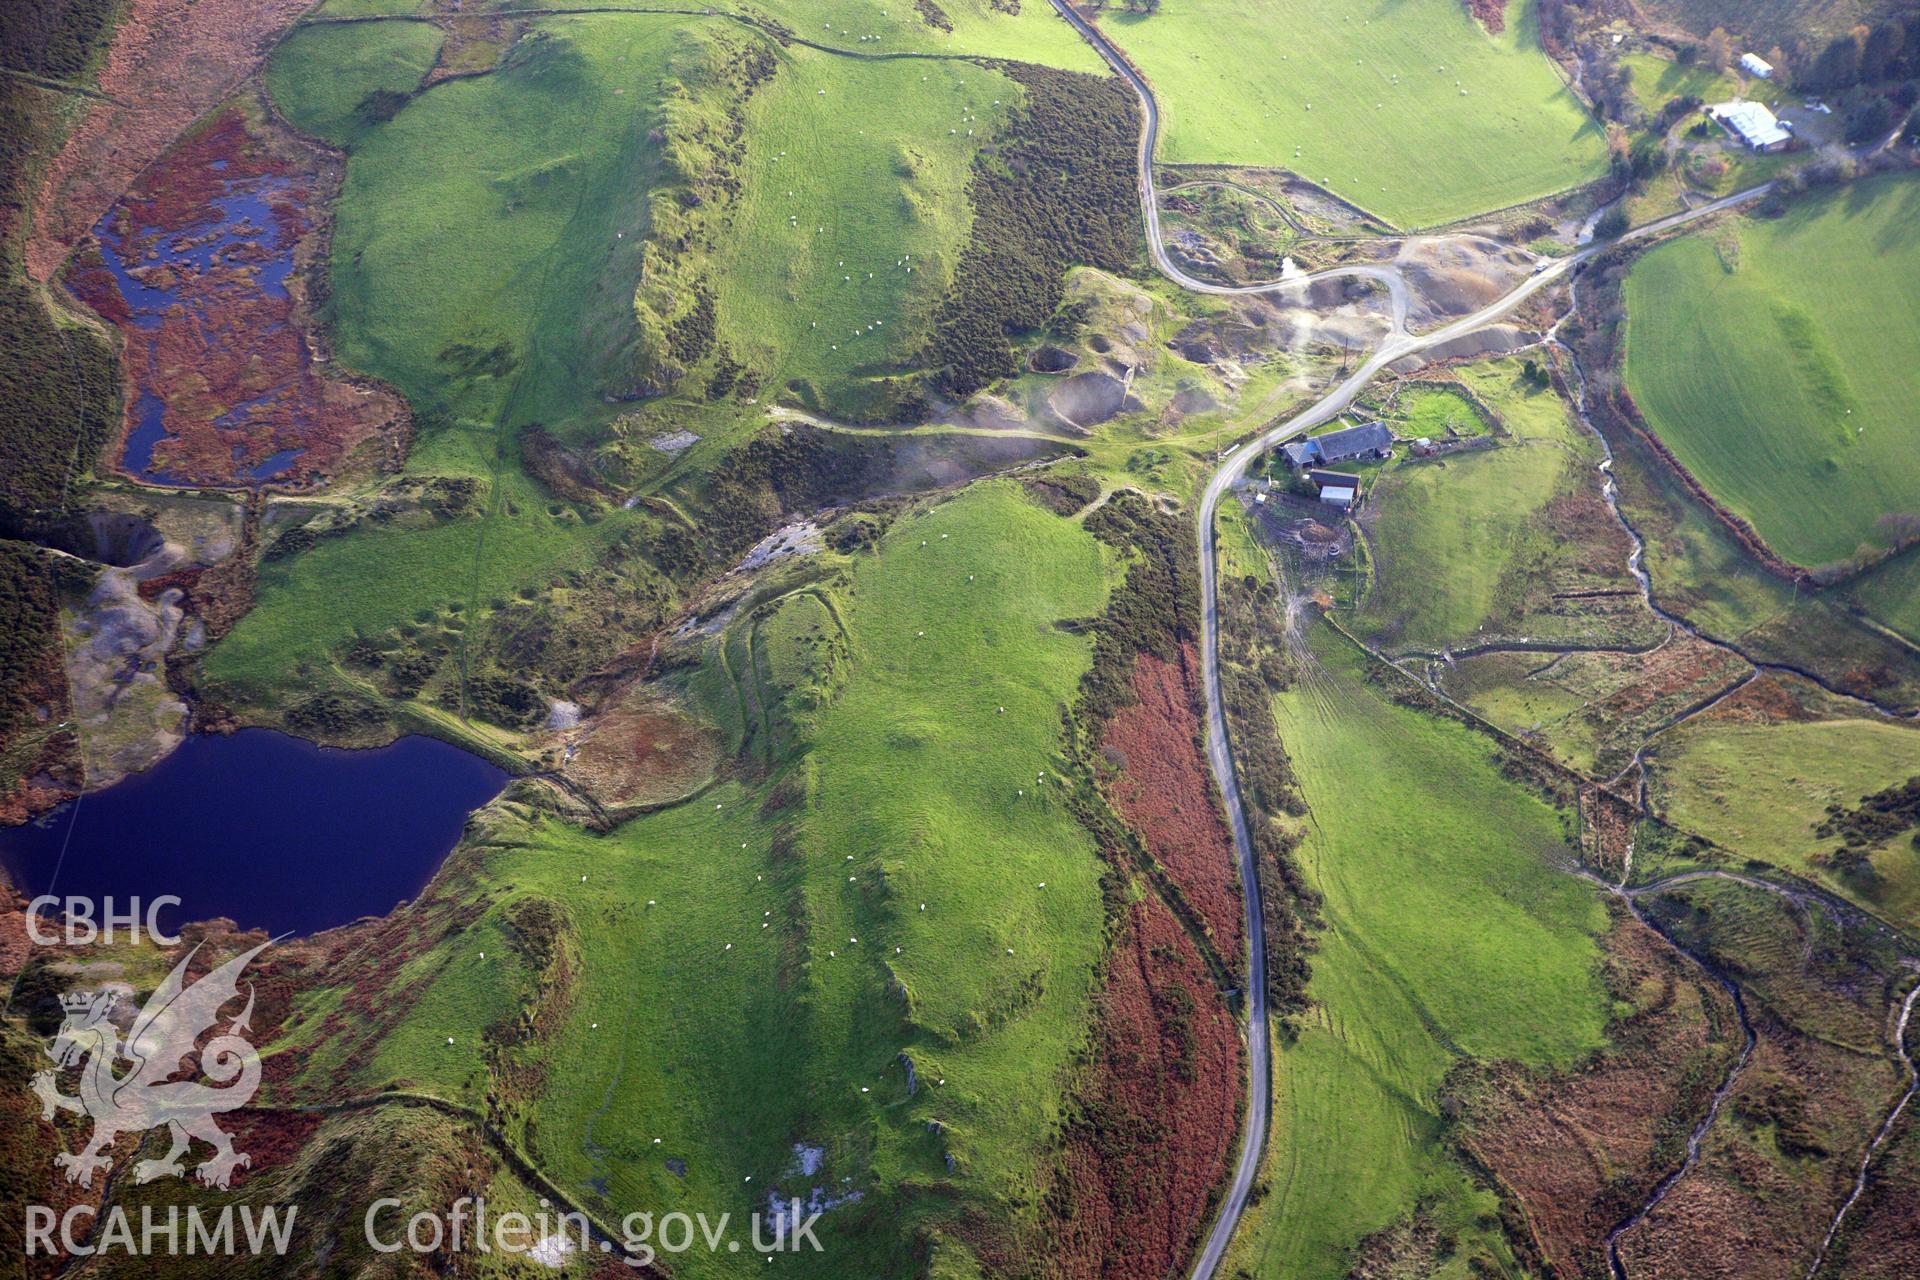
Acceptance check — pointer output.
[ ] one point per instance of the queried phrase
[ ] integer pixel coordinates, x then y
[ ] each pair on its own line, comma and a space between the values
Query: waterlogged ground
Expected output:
198, 268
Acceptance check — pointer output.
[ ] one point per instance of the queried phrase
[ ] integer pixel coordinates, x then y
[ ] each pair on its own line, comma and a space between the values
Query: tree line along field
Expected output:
1779, 361
1366, 100
1449, 930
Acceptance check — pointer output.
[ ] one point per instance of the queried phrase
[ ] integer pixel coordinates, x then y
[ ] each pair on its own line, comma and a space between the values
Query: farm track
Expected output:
1398, 345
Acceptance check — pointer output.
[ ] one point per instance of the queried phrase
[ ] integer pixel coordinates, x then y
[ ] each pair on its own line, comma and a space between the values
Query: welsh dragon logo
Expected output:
145, 1096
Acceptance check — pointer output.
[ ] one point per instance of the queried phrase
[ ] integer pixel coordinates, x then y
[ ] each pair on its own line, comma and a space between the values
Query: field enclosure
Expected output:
1504, 540
1450, 931
1407, 108
1763, 790
1779, 360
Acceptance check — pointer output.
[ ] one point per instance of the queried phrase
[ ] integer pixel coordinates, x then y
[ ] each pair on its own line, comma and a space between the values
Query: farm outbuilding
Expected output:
1753, 123
1756, 66
1336, 488
1370, 439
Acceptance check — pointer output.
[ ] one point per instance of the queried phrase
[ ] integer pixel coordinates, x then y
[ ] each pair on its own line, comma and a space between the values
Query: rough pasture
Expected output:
1166, 793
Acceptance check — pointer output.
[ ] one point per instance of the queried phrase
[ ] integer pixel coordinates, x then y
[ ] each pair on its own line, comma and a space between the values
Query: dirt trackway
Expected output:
1399, 344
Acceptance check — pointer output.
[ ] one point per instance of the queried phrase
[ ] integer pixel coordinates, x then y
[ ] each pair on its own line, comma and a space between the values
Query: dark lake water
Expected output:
267, 829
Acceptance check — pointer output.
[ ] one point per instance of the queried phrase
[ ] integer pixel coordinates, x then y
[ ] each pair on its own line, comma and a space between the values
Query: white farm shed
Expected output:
1753, 124
1755, 65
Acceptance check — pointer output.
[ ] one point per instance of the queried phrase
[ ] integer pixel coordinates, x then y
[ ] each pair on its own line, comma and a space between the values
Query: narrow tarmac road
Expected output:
1398, 345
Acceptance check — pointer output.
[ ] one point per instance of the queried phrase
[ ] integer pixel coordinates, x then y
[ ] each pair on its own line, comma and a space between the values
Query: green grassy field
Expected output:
1364, 100
1031, 33
1759, 790
1473, 546
1527, 410
319, 75
919, 776
1444, 537
1658, 81
512, 208
1437, 413
1500, 687
1891, 593
902, 782
669, 1033
376, 578
503, 209
1779, 368
855, 172
507, 213
973, 28
1449, 931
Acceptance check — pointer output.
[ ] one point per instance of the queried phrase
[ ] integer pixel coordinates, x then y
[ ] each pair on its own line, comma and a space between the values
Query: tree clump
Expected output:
1058, 193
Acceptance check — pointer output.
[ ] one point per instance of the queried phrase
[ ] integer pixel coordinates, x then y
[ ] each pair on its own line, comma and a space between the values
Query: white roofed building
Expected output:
1756, 66
1753, 124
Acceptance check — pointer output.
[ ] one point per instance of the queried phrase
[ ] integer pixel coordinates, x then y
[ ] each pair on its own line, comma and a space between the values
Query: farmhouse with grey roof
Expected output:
1340, 446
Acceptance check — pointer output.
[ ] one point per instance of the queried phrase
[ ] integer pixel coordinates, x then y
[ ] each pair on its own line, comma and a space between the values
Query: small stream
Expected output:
1637, 566
1886, 1127
1615, 1266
